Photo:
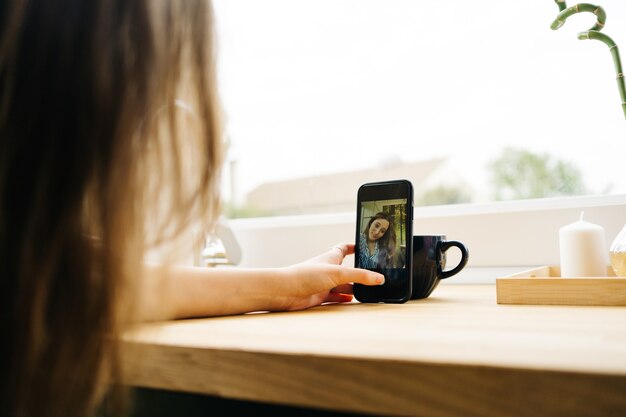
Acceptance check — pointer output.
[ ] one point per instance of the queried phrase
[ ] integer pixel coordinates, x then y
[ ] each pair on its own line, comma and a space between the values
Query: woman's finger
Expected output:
334, 255
334, 297
356, 275
344, 248
339, 252
349, 248
343, 289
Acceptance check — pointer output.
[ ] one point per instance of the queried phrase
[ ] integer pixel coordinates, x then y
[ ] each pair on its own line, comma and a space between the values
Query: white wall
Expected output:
503, 234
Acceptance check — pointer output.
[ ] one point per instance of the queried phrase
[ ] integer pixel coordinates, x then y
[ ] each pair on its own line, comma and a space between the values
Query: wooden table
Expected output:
457, 353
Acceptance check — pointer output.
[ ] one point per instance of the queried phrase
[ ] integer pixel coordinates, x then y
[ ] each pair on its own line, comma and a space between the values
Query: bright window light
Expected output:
472, 101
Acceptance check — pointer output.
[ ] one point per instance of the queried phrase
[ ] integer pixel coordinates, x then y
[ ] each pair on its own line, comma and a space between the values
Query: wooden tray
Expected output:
544, 285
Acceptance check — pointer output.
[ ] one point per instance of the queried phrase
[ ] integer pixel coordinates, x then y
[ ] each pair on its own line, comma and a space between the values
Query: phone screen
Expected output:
384, 237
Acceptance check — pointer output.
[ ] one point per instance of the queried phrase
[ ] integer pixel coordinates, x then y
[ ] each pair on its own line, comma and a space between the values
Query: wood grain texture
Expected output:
544, 285
457, 353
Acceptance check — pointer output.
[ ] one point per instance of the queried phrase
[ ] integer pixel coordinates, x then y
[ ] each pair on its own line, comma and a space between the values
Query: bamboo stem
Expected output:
594, 33
561, 4
580, 8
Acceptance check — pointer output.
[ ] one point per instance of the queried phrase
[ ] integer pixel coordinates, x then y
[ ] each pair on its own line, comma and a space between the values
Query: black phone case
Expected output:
380, 191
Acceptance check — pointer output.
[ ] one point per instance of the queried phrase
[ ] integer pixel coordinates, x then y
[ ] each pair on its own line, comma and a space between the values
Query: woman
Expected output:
94, 173
377, 243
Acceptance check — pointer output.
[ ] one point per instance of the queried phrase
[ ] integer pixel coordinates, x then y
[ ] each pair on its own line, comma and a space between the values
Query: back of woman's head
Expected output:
91, 154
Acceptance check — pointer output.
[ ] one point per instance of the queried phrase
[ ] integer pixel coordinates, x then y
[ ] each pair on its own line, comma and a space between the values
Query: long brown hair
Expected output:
91, 159
387, 242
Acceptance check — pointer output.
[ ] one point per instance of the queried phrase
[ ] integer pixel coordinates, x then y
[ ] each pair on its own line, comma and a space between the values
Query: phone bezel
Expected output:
386, 190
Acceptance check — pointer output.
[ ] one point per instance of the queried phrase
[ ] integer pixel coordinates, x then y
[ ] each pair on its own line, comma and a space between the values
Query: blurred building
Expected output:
337, 192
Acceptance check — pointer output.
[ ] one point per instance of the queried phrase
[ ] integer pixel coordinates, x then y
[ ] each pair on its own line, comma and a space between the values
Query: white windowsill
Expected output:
501, 234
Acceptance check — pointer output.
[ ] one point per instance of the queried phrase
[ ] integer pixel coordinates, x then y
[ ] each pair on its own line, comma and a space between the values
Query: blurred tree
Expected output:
443, 195
520, 174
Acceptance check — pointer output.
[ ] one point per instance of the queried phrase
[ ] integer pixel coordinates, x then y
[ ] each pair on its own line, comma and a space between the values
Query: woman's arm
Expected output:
180, 291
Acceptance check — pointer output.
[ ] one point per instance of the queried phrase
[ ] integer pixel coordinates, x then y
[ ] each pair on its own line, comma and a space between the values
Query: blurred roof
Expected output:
335, 192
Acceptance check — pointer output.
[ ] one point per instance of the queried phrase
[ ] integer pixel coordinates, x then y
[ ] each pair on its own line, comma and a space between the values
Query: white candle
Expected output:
582, 249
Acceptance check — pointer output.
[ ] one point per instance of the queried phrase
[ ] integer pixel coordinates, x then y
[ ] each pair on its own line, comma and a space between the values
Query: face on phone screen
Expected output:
384, 230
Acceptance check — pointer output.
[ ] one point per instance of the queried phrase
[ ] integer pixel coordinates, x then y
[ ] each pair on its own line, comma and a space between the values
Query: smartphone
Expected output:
384, 240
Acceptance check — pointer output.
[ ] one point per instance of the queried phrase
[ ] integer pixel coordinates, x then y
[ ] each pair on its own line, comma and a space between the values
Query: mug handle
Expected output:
464, 257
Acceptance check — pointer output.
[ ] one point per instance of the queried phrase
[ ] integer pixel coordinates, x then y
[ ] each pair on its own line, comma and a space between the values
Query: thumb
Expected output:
361, 276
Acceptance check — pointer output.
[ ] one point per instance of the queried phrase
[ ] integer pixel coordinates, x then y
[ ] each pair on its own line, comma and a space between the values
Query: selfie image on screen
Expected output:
382, 244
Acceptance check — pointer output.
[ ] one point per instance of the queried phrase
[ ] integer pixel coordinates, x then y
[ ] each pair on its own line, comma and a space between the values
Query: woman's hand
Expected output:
323, 280
182, 291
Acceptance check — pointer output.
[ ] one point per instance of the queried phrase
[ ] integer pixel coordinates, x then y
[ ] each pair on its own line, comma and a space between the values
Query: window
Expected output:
323, 95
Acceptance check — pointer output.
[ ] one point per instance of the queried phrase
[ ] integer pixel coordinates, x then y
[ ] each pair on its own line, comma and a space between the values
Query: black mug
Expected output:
429, 262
